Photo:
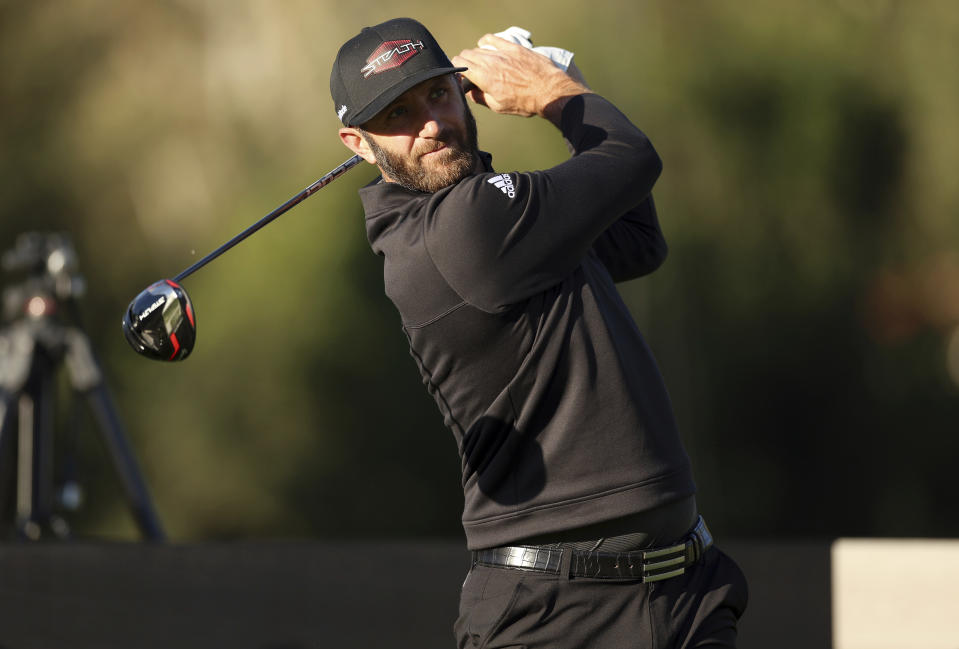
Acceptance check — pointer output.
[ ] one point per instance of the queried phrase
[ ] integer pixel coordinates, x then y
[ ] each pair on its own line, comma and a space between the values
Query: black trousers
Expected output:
516, 609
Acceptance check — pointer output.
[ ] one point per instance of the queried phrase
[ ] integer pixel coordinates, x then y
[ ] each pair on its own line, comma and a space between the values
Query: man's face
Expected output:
426, 139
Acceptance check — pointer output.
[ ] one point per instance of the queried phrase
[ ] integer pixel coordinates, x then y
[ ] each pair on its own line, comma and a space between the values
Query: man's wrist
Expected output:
552, 110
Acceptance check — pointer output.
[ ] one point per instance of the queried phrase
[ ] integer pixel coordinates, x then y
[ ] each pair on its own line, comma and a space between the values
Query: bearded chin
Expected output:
451, 165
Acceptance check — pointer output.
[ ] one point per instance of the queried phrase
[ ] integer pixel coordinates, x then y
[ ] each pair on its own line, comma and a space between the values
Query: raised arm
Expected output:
513, 80
634, 245
501, 238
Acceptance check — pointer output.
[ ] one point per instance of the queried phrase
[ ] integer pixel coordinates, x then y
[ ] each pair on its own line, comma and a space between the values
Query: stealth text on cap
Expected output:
391, 54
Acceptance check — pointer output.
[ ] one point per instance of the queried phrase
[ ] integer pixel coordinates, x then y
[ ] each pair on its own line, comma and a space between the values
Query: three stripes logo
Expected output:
504, 183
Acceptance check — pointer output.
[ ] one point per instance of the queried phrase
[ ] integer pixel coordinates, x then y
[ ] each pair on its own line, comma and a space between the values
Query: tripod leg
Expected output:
7, 465
31, 503
87, 379
16, 359
6, 402
142, 508
21, 402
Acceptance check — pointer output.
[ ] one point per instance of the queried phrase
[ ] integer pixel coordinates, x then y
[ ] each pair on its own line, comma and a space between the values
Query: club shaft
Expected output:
306, 193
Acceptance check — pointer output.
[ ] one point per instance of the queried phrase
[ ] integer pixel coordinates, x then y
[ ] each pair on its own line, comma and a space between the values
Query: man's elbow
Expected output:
650, 163
652, 256
656, 252
660, 252
657, 163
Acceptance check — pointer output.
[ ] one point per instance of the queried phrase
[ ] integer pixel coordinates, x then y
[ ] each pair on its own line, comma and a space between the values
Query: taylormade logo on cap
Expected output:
391, 55
379, 64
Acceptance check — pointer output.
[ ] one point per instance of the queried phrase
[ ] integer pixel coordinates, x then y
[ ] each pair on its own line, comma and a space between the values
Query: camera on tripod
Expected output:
49, 263
36, 339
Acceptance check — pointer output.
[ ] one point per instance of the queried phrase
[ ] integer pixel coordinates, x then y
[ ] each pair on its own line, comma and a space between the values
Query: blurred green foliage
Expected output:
803, 320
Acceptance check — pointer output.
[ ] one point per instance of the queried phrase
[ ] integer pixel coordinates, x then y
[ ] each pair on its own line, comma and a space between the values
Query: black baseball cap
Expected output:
381, 63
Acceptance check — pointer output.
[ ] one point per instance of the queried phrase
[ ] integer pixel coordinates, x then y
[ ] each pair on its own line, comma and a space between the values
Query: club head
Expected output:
160, 322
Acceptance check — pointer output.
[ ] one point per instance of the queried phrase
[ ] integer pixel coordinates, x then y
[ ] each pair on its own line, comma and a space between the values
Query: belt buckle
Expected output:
703, 537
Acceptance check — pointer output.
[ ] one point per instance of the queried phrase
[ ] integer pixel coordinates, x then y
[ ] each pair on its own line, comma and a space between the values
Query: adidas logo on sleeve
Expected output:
504, 183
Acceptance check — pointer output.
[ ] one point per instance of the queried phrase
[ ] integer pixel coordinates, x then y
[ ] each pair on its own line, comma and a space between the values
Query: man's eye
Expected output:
399, 111
439, 92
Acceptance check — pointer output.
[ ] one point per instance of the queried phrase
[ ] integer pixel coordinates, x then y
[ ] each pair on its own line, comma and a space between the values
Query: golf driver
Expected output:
160, 322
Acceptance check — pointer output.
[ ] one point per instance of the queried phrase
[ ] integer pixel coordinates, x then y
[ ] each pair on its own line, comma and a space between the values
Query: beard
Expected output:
442, 169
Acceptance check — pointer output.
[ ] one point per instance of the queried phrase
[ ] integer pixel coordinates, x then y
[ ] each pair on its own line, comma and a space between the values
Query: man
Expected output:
579, 499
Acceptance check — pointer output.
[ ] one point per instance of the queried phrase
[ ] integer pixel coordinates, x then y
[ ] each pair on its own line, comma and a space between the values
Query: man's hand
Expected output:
513, 80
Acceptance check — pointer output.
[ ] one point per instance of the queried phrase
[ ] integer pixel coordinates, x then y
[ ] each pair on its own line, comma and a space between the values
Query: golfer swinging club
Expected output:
579, 498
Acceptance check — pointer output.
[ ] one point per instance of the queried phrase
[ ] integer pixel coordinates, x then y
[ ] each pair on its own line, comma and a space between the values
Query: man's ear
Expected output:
354, 141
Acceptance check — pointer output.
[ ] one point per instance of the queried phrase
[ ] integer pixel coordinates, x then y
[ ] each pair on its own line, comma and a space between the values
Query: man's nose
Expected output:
432, 124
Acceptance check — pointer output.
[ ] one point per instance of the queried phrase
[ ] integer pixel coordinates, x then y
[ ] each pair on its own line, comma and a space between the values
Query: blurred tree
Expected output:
801, 319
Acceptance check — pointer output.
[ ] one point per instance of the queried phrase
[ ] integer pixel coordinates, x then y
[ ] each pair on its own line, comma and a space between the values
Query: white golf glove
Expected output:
561, 58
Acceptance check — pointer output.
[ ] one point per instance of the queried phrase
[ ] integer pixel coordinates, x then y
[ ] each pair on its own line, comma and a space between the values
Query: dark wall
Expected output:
292, 595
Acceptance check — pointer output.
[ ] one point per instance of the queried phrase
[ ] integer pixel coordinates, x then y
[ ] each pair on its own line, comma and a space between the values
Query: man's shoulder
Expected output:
483, 191
477, 195
380, 196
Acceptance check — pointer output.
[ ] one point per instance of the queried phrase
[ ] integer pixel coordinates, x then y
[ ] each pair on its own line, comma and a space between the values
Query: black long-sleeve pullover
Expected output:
505, 288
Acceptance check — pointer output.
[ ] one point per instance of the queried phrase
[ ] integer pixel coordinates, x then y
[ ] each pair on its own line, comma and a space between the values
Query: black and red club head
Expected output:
160, 322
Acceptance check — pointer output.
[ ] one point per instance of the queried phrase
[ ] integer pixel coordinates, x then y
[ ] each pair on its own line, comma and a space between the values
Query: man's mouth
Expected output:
437, 149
